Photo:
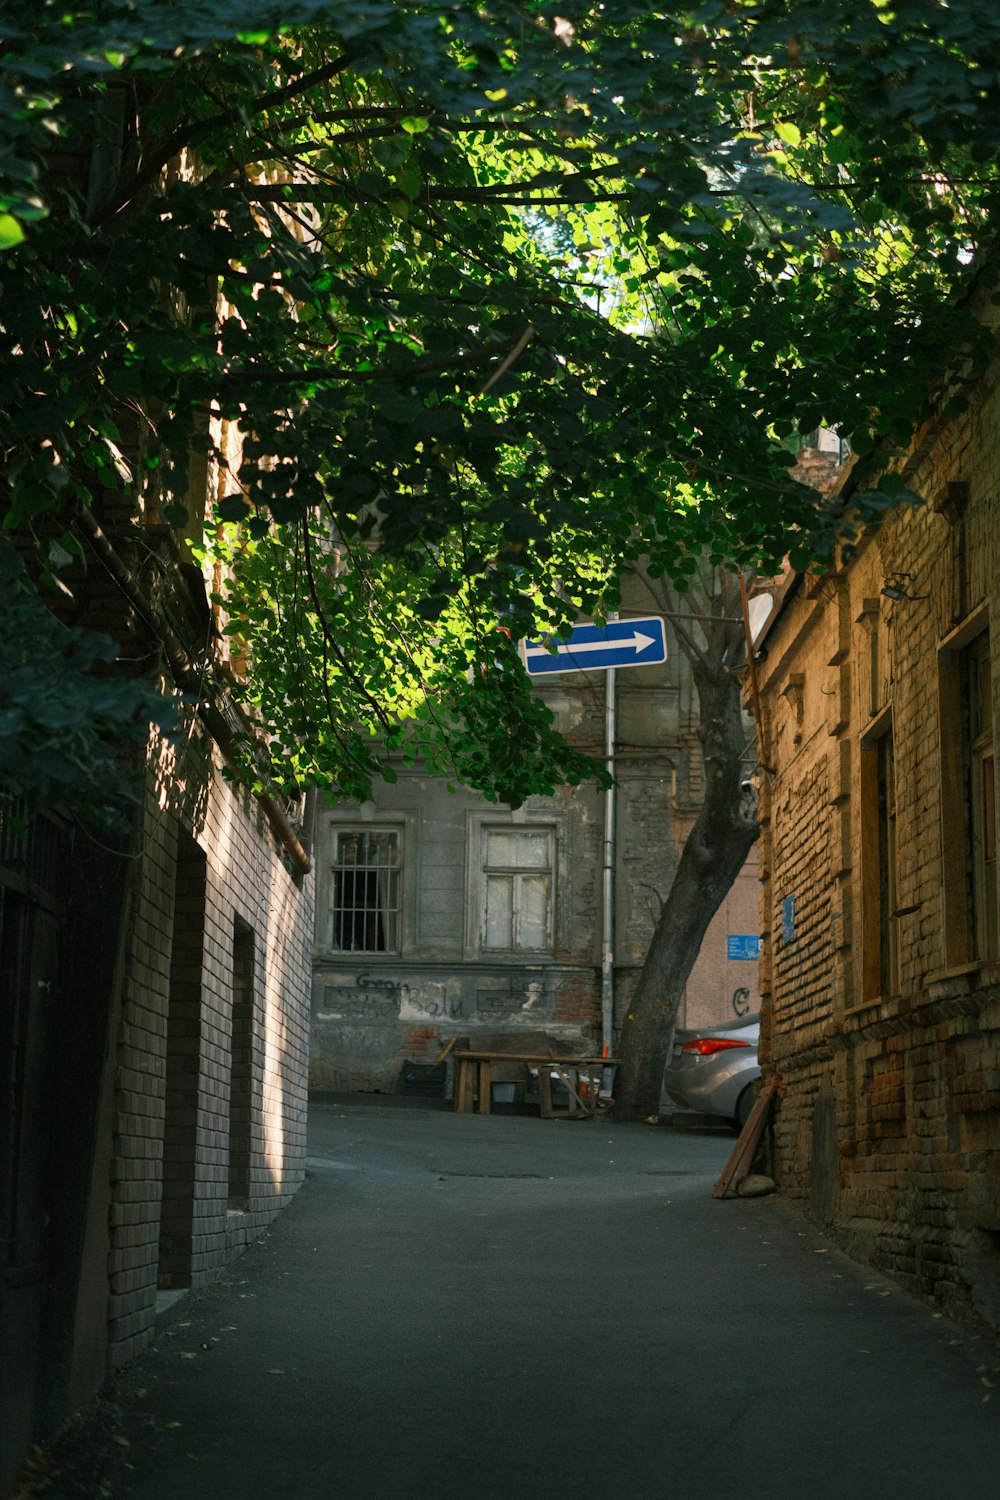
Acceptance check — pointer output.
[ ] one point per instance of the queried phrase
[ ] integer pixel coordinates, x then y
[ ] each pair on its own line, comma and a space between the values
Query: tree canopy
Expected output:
463, 307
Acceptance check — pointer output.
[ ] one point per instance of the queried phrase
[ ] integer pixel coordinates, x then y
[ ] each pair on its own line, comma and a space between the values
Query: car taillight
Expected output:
705, 1046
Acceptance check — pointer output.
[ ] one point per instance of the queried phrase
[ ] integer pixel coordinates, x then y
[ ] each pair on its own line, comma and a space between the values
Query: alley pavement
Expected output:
460, 1307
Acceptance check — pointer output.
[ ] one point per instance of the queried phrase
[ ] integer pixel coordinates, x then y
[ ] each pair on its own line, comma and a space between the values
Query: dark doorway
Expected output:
241, 1075
28, 947
180, 1130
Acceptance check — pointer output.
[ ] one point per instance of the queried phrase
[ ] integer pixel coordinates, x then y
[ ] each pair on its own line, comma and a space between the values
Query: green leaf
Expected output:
788, 132
11, 233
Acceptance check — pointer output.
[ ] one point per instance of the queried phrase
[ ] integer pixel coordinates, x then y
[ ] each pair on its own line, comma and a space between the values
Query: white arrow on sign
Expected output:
637, 642
591, 648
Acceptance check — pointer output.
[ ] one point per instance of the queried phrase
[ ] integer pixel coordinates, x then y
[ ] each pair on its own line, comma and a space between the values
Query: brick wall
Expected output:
207, 861
888, 1118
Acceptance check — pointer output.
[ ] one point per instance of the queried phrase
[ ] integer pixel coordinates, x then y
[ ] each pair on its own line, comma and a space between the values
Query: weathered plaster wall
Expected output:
372, 1011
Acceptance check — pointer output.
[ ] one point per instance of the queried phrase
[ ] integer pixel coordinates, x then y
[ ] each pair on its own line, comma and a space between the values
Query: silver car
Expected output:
713, 1070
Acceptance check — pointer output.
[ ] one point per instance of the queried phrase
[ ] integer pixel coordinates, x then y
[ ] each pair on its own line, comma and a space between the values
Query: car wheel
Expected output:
744, 1105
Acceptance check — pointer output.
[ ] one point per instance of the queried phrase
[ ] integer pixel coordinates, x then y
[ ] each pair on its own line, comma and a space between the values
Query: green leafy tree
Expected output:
499, 302
335, 197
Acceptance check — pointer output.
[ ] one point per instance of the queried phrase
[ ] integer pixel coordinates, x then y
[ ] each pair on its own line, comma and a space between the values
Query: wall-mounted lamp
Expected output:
893, 587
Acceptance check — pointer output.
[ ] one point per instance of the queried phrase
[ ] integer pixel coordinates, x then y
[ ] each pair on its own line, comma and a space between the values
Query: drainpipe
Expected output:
608, 892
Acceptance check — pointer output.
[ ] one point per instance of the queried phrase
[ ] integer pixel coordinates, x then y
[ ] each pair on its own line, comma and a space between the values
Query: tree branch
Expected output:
330, 645
694, 653
190, 133
385, 372
514, 194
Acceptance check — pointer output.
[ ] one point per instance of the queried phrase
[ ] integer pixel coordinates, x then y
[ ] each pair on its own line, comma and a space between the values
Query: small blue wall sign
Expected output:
742, 945
788, 919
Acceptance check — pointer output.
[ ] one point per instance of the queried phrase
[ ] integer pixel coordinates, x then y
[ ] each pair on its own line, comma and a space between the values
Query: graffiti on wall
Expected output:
371, 998
348, 1002
434, 1002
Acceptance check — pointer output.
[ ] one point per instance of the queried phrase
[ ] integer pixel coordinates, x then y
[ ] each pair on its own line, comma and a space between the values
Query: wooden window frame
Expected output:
880, 967
970, 917
516, 873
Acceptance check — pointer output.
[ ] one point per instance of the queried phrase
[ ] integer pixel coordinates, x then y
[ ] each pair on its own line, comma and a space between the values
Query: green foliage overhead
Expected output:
70, 726
514, 297
357, 656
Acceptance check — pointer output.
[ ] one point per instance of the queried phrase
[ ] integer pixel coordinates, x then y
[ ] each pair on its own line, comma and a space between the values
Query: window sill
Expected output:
979, 973
361, 955
955, 971
875, 1004
508, 956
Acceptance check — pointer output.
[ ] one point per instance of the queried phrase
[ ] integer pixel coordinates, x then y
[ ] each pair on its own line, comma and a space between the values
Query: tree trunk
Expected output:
713, 855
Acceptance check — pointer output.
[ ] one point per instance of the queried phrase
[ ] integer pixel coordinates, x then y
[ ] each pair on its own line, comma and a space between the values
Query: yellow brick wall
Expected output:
888, 1118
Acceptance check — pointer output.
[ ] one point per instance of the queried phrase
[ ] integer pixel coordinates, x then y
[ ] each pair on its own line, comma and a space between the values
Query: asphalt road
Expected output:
467, 1308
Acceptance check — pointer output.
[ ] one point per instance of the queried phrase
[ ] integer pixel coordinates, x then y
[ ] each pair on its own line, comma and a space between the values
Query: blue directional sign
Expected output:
619, 643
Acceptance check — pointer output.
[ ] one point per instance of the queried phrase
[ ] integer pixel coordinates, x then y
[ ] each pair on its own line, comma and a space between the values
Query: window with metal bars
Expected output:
366, 889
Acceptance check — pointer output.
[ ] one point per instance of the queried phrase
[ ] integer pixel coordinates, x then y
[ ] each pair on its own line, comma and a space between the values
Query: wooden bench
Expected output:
475, 1068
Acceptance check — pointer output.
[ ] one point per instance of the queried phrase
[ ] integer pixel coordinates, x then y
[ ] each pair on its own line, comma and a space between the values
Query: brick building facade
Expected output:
210, 1095
154, 1010
879, 976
